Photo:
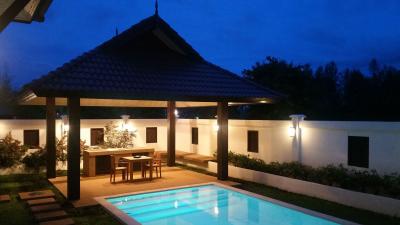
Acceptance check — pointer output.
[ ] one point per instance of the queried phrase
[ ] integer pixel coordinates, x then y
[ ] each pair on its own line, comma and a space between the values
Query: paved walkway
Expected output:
45, 208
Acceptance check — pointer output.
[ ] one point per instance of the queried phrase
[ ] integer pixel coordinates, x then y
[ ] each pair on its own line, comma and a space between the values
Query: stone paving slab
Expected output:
36, 194
41, 201
50, 215
44, 208
5, 198
66, 221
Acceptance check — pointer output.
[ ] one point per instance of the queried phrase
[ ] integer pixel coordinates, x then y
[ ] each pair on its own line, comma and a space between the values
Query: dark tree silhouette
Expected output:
328, 94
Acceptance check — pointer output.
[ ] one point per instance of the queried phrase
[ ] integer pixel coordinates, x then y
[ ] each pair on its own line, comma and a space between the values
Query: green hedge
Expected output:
338, 176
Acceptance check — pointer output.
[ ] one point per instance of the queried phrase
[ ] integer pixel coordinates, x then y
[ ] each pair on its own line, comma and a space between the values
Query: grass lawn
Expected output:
17, 213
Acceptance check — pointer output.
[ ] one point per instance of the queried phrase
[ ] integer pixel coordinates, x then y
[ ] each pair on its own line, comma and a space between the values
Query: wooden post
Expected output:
51, 137
222, 141
73, 174
171, 133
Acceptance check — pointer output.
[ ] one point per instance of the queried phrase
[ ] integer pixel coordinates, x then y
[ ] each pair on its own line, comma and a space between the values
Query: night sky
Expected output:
231, 33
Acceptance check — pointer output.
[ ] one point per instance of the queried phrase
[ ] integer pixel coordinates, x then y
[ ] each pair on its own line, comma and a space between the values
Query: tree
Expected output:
293, 80
327, 94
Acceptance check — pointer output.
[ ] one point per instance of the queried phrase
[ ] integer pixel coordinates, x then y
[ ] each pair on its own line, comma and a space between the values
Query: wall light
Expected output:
216, 127
64, 124
176, 112
263, 101
125, 120
292, 131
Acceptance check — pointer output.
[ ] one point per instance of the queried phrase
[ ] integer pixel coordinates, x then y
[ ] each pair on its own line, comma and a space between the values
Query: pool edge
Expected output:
125, 219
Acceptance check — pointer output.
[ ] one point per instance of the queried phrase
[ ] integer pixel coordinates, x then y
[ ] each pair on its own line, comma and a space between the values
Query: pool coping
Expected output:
125, 219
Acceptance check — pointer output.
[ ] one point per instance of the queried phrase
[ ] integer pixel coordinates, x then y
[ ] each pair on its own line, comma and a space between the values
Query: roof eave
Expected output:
29, 94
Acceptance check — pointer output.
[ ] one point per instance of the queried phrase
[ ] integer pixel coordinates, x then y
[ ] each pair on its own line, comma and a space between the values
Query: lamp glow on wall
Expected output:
64, 124
295, 133
292, 131
216, 126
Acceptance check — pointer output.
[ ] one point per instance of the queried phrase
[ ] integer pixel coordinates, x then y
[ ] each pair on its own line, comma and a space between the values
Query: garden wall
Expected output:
323, 142
375, 203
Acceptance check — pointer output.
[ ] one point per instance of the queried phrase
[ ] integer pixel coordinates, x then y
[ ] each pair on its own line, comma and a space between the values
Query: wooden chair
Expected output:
157, 163
115, 167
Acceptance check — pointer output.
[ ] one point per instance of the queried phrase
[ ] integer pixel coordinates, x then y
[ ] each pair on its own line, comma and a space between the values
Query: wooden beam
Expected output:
51, 137
73, 173
222, 140
11, 12
171, 133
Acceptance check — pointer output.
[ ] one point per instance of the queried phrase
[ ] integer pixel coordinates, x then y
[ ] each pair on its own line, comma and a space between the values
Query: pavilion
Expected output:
148, 65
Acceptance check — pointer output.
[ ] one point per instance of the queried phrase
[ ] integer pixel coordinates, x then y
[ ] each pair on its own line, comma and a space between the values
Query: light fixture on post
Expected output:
125, 120
64, 124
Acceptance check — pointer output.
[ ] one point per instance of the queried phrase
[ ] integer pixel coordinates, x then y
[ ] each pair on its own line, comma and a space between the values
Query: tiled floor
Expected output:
100, 185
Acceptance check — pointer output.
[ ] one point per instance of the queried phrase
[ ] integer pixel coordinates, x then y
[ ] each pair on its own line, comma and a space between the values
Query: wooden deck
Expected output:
100, 185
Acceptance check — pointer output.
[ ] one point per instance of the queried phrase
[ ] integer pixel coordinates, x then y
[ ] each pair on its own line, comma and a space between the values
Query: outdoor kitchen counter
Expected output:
90, 155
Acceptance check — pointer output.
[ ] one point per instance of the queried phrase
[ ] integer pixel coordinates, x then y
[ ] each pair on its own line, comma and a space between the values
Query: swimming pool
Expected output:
208, 205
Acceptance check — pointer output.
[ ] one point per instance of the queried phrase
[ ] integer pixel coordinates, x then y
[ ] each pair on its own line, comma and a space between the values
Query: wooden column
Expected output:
171, 133
51, 137
222, 141
73, 157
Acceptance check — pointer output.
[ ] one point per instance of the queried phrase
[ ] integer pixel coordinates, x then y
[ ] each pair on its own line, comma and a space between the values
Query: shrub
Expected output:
338, 176
62, 148
11, 151
35, 160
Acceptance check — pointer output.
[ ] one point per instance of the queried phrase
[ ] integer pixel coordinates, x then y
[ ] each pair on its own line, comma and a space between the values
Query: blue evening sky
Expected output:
231, 33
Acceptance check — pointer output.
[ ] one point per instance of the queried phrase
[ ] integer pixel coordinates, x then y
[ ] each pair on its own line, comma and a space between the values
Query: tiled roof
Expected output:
144, 63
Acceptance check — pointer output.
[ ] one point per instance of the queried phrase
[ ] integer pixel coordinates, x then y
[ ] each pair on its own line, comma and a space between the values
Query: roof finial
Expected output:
156, 13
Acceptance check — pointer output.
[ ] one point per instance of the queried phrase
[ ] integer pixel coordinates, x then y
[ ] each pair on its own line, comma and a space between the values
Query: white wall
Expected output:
323, 142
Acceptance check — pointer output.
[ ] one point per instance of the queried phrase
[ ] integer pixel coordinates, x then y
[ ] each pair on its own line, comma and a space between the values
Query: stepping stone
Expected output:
36, 194
66, 221
41, 201
5, 198
50, 215
44, 208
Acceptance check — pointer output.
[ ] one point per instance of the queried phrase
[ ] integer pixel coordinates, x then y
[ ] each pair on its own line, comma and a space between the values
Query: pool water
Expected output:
208, 205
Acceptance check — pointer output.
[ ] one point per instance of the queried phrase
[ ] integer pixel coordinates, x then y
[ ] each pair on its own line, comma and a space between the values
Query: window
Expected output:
358, 151
96, 136
195, 135
31, 138
151, 134
252, 141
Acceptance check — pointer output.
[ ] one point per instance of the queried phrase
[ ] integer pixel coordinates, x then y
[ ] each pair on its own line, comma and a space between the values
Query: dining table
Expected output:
139, 159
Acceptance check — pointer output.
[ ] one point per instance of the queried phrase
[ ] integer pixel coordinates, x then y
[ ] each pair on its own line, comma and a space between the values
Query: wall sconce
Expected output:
176, 112
295, 133
292, 131
125, 120
64, 124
